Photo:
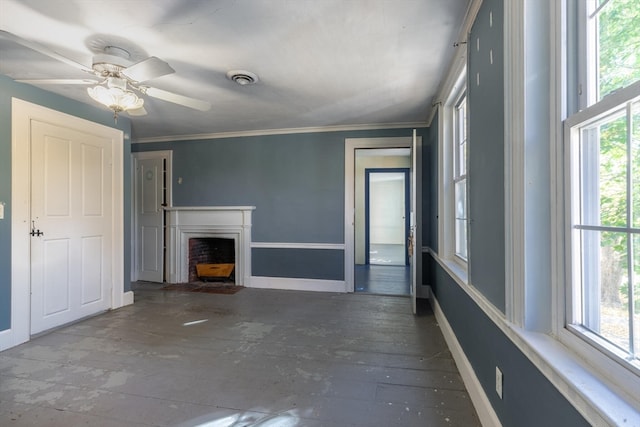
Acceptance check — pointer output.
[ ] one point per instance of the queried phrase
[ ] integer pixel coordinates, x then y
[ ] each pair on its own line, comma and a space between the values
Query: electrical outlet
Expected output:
499, 382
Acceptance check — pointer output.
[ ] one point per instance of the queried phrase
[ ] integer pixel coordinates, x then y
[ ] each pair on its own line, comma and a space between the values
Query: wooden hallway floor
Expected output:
255, 358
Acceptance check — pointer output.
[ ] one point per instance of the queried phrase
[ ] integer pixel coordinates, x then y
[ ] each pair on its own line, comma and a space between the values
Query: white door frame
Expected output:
135, 157
22, 114
350, 146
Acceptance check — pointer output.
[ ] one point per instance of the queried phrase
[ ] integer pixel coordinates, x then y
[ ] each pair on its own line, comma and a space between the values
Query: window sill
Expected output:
602, 346
579, 383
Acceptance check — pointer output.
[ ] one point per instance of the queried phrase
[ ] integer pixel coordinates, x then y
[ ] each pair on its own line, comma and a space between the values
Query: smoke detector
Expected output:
242, 77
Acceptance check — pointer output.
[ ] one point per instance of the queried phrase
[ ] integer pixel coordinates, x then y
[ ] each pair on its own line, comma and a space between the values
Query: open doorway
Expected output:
386, 207
382, 221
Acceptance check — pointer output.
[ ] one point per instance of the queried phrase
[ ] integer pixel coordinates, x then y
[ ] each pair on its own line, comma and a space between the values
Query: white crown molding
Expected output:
264, 132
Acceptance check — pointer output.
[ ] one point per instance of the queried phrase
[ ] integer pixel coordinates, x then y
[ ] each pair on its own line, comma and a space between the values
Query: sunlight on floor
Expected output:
257, 418
387, 254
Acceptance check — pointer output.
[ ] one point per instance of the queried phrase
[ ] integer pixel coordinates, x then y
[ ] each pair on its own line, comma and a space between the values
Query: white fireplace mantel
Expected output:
229, 222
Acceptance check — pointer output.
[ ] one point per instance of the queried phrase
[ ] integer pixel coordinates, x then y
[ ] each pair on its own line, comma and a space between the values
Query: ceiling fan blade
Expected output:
59, 81
148, 69
137, 112
196, 104
44, 50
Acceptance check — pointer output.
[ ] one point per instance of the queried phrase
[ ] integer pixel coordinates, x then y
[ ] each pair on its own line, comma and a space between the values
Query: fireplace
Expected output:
210, 250
229, 223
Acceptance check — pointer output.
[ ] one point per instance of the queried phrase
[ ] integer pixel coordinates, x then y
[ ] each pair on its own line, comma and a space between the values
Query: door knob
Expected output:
35, 232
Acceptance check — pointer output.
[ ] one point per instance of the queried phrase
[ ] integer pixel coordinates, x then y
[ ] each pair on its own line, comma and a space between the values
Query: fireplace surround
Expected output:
226, 222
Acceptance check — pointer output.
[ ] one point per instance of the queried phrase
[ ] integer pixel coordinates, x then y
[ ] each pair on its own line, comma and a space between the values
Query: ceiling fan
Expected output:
117, 76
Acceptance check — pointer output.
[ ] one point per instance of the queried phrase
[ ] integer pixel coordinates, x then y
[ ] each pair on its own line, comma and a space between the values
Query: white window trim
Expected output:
460, 98
602, 397
514, 61
610, 366
446, 202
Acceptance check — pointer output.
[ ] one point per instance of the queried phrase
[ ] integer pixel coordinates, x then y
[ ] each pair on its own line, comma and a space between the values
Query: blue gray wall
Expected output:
9, 89
296, 182
485, 90
529, 398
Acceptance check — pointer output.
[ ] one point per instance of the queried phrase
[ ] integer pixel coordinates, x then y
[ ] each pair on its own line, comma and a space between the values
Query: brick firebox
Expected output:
209, 250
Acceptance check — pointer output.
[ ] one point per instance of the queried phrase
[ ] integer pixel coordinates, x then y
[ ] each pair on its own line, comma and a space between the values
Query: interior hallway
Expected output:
383, 279
258, 357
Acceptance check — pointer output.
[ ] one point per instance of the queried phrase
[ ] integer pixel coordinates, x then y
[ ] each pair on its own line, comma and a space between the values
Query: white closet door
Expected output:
71, 198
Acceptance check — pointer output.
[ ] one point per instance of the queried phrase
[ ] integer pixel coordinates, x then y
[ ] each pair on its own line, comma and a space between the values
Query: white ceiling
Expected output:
320, 62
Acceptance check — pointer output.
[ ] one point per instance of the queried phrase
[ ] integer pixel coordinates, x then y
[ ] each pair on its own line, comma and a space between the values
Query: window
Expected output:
605, 157
453, 232
604, 176
611, 42
460, 177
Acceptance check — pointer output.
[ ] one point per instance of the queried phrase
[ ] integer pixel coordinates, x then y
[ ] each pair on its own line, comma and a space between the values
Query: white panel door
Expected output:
150, 219
71, 205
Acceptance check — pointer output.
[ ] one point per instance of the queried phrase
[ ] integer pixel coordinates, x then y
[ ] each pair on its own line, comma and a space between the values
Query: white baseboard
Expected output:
127, 298
295, 284
6, 339
487, 415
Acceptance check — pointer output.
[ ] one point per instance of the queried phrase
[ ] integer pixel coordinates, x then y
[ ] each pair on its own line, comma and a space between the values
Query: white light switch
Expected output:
1, 210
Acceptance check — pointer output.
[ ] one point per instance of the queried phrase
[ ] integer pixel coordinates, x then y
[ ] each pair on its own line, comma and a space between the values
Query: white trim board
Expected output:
487, 415
284, 245
22, 114
8, 339
295, 284
127, 298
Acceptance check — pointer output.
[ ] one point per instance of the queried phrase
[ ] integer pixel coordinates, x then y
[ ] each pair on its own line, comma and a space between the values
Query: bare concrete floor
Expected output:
256, 358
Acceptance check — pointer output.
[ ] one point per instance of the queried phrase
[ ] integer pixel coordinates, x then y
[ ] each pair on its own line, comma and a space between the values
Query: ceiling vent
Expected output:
242, 77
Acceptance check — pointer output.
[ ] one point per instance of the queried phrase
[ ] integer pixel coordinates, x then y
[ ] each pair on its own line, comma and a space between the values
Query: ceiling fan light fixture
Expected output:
115, 96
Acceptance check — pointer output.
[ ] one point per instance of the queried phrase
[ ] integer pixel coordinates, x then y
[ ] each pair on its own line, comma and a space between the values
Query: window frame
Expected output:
459, 144
615, 363
457, 88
